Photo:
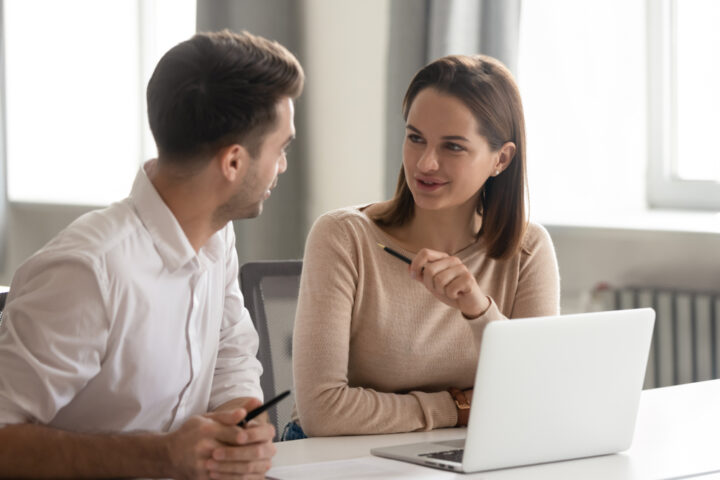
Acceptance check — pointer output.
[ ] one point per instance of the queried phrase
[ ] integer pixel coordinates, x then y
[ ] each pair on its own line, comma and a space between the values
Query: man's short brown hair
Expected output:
217, 89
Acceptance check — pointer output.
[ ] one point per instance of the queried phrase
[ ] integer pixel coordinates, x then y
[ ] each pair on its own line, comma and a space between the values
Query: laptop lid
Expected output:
556, 388
551, 388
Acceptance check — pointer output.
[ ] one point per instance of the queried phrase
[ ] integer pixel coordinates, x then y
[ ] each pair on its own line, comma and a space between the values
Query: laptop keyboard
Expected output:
448, 455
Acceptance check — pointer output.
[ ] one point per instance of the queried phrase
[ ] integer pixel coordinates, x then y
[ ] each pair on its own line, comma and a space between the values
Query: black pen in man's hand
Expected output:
254, 413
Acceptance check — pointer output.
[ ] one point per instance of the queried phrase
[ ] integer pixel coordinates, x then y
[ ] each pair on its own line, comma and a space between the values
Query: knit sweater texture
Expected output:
374, 351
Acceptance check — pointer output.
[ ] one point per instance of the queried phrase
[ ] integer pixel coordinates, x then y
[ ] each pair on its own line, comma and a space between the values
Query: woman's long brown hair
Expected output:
488, 89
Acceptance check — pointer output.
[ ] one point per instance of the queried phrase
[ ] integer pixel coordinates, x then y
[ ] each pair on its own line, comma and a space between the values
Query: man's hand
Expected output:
212, 446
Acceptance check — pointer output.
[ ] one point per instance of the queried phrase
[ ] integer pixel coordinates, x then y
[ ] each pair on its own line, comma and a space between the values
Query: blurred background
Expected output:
620, 98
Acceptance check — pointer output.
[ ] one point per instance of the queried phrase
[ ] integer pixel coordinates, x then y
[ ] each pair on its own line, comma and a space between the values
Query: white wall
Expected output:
633, 257
28, 228
345, 98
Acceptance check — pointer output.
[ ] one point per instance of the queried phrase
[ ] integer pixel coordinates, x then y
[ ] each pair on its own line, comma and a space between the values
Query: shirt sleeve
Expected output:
237, 370
52, 338
326, 403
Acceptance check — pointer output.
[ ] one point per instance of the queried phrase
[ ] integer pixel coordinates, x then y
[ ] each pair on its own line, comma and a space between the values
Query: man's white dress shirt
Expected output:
118, 324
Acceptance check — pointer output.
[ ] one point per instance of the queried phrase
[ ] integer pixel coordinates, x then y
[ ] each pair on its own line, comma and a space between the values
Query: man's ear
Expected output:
233, 161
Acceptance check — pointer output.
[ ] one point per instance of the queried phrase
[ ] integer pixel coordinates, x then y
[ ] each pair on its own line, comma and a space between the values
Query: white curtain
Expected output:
490, 27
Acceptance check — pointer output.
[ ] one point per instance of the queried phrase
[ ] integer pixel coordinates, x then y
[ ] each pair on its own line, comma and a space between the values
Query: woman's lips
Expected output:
429, 184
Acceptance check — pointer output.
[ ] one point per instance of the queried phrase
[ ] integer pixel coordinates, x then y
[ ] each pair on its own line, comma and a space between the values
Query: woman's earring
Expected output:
497, 172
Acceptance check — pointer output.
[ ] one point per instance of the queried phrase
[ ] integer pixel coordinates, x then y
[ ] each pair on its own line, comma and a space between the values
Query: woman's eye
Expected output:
454, 147
414, 138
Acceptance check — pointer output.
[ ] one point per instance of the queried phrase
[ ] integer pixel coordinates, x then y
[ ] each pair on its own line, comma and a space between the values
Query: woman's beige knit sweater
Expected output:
374, 351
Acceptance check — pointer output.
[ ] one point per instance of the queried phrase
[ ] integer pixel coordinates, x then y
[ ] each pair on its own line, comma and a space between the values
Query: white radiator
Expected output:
687, 331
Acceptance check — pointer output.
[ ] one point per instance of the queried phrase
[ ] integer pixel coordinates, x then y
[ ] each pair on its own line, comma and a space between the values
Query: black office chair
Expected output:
271, 290
3, 297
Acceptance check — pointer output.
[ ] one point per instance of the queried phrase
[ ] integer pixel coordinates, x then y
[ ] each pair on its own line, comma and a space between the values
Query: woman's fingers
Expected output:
449, 280
422, 260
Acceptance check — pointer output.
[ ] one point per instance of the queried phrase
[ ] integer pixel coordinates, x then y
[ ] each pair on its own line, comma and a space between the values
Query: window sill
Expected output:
647, 220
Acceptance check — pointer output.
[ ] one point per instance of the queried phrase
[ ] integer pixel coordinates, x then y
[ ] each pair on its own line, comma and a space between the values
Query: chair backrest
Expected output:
270, 289
3, 297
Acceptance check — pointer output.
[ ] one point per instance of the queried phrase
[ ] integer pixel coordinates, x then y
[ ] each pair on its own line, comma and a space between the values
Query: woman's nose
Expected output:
428, 162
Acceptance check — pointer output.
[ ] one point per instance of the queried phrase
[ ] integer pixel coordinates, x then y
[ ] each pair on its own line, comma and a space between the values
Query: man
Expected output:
125, 349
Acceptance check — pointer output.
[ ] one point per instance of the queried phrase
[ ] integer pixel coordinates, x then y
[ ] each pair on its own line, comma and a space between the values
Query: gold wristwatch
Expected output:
462, 404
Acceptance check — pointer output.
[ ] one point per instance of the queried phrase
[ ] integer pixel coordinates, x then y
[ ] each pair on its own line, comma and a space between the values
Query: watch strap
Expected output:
462, 404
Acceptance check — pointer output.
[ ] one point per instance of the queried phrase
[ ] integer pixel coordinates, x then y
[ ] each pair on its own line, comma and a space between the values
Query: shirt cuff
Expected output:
225, 396
10, 414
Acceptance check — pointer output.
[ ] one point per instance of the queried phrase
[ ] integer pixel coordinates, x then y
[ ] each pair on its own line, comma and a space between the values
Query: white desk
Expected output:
677, 435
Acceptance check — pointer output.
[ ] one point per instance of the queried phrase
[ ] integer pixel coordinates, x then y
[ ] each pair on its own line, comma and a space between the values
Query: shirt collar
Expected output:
168, 236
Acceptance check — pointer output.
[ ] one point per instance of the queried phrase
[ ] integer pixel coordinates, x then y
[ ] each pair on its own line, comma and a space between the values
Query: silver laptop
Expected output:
548, 389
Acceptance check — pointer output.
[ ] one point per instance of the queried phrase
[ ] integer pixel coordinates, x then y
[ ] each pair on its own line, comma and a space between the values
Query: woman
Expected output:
380, 347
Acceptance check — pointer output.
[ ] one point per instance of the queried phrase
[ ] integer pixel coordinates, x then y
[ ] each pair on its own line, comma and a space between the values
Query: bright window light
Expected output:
75, 87
581, 72
696, 93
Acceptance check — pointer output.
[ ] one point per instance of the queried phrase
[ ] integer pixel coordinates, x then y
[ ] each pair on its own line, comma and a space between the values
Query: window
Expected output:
620, 103
581, 73
75, 77
684, 101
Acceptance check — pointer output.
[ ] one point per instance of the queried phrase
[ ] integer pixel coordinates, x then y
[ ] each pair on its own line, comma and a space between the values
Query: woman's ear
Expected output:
505, 157
233, 161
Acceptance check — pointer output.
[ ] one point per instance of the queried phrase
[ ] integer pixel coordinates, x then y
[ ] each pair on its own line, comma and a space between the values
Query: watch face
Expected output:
460, 398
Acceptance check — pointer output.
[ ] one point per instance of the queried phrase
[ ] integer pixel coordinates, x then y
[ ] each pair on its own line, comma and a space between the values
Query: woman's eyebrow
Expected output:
446, 137
455, 137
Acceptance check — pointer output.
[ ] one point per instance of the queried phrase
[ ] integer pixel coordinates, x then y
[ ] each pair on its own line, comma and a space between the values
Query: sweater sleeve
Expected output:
538, 285
326, 403
477, 325
538, 291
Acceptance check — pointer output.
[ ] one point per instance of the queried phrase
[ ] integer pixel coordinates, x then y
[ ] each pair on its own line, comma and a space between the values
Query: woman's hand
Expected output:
449, 280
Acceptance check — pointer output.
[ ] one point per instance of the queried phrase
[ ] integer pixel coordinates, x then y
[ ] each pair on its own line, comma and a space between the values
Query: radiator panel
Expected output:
687, 331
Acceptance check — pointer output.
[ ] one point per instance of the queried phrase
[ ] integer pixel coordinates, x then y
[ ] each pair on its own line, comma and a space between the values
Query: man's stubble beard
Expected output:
239, 206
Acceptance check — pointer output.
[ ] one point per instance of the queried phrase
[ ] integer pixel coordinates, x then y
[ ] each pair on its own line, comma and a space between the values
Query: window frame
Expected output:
664, 188
26, 226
